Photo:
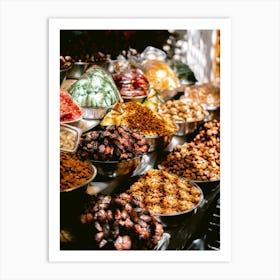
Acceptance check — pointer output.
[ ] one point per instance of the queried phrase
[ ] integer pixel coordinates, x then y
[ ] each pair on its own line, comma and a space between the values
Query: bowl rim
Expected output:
197, 182
134, 97
85, 183
116, 161
187, 211
155, 137
76, 120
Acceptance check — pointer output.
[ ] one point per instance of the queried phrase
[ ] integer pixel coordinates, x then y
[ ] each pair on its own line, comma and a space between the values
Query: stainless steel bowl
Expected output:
76, 132
94, 113
176, 219
82, 187
113, 169
158, 142
139, 99
63, 73
185, 128
77, 70
207, 186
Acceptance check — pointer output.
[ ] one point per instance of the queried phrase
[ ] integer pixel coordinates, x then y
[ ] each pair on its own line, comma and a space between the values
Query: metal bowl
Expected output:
207, 186
176, 219
77, 70
185, 128
113, 169
94, 113
139, 99
73, 122
158, 142
63, 73
82, 187
74, 131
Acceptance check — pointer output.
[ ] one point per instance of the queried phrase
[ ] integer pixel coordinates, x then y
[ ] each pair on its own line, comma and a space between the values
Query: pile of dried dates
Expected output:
120, 223
112, 144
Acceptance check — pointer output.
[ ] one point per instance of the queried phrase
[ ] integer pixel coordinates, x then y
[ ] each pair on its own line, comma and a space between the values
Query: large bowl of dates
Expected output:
114, 150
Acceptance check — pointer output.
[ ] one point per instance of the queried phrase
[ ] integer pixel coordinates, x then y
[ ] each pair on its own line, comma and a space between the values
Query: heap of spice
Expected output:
141, 118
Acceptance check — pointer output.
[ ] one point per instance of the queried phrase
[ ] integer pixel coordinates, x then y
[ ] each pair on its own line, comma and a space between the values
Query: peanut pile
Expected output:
182, 110
198, 160
120, 223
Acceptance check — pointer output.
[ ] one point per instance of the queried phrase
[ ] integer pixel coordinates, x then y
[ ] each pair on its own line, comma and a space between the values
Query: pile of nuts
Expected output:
112, 144
73, 171
121, 223
182, 110
68, 139
164, 193
198, 160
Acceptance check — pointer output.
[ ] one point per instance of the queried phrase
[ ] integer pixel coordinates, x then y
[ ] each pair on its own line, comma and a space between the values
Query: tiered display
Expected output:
129, 148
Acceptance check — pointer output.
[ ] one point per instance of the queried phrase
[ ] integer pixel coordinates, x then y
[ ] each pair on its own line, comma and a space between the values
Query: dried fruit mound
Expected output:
112, 144
121, 223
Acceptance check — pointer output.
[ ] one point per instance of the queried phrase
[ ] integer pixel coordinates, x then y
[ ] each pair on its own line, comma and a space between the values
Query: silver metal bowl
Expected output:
139, 99
77, 70
113, 169
74, 131
173, 220
94, 113
158, 142
82, 187
63, 73
185, 128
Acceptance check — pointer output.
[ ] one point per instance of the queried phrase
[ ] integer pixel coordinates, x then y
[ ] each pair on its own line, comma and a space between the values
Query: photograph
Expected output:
139, 140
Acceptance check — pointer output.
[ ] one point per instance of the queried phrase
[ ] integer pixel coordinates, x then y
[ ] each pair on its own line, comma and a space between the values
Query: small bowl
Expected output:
74, 131
63, 73
139, 99
158, 142
176, 219
82, 187
77, 70
185, 128
207, 186
94, 113
113, 169
73, 122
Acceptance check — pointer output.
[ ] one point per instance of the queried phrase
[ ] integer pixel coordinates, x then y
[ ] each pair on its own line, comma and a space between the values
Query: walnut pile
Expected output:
164, 193
198, 160
121, 223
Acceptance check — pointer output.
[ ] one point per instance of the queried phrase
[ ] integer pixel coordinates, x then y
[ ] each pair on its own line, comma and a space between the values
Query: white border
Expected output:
224, 254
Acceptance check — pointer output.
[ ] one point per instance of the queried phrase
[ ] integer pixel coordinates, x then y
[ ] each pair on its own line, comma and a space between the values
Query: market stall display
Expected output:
118, 130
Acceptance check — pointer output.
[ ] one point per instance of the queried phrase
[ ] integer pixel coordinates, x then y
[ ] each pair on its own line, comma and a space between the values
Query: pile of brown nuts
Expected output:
121, 223
182, 110
112, 144
198, 160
